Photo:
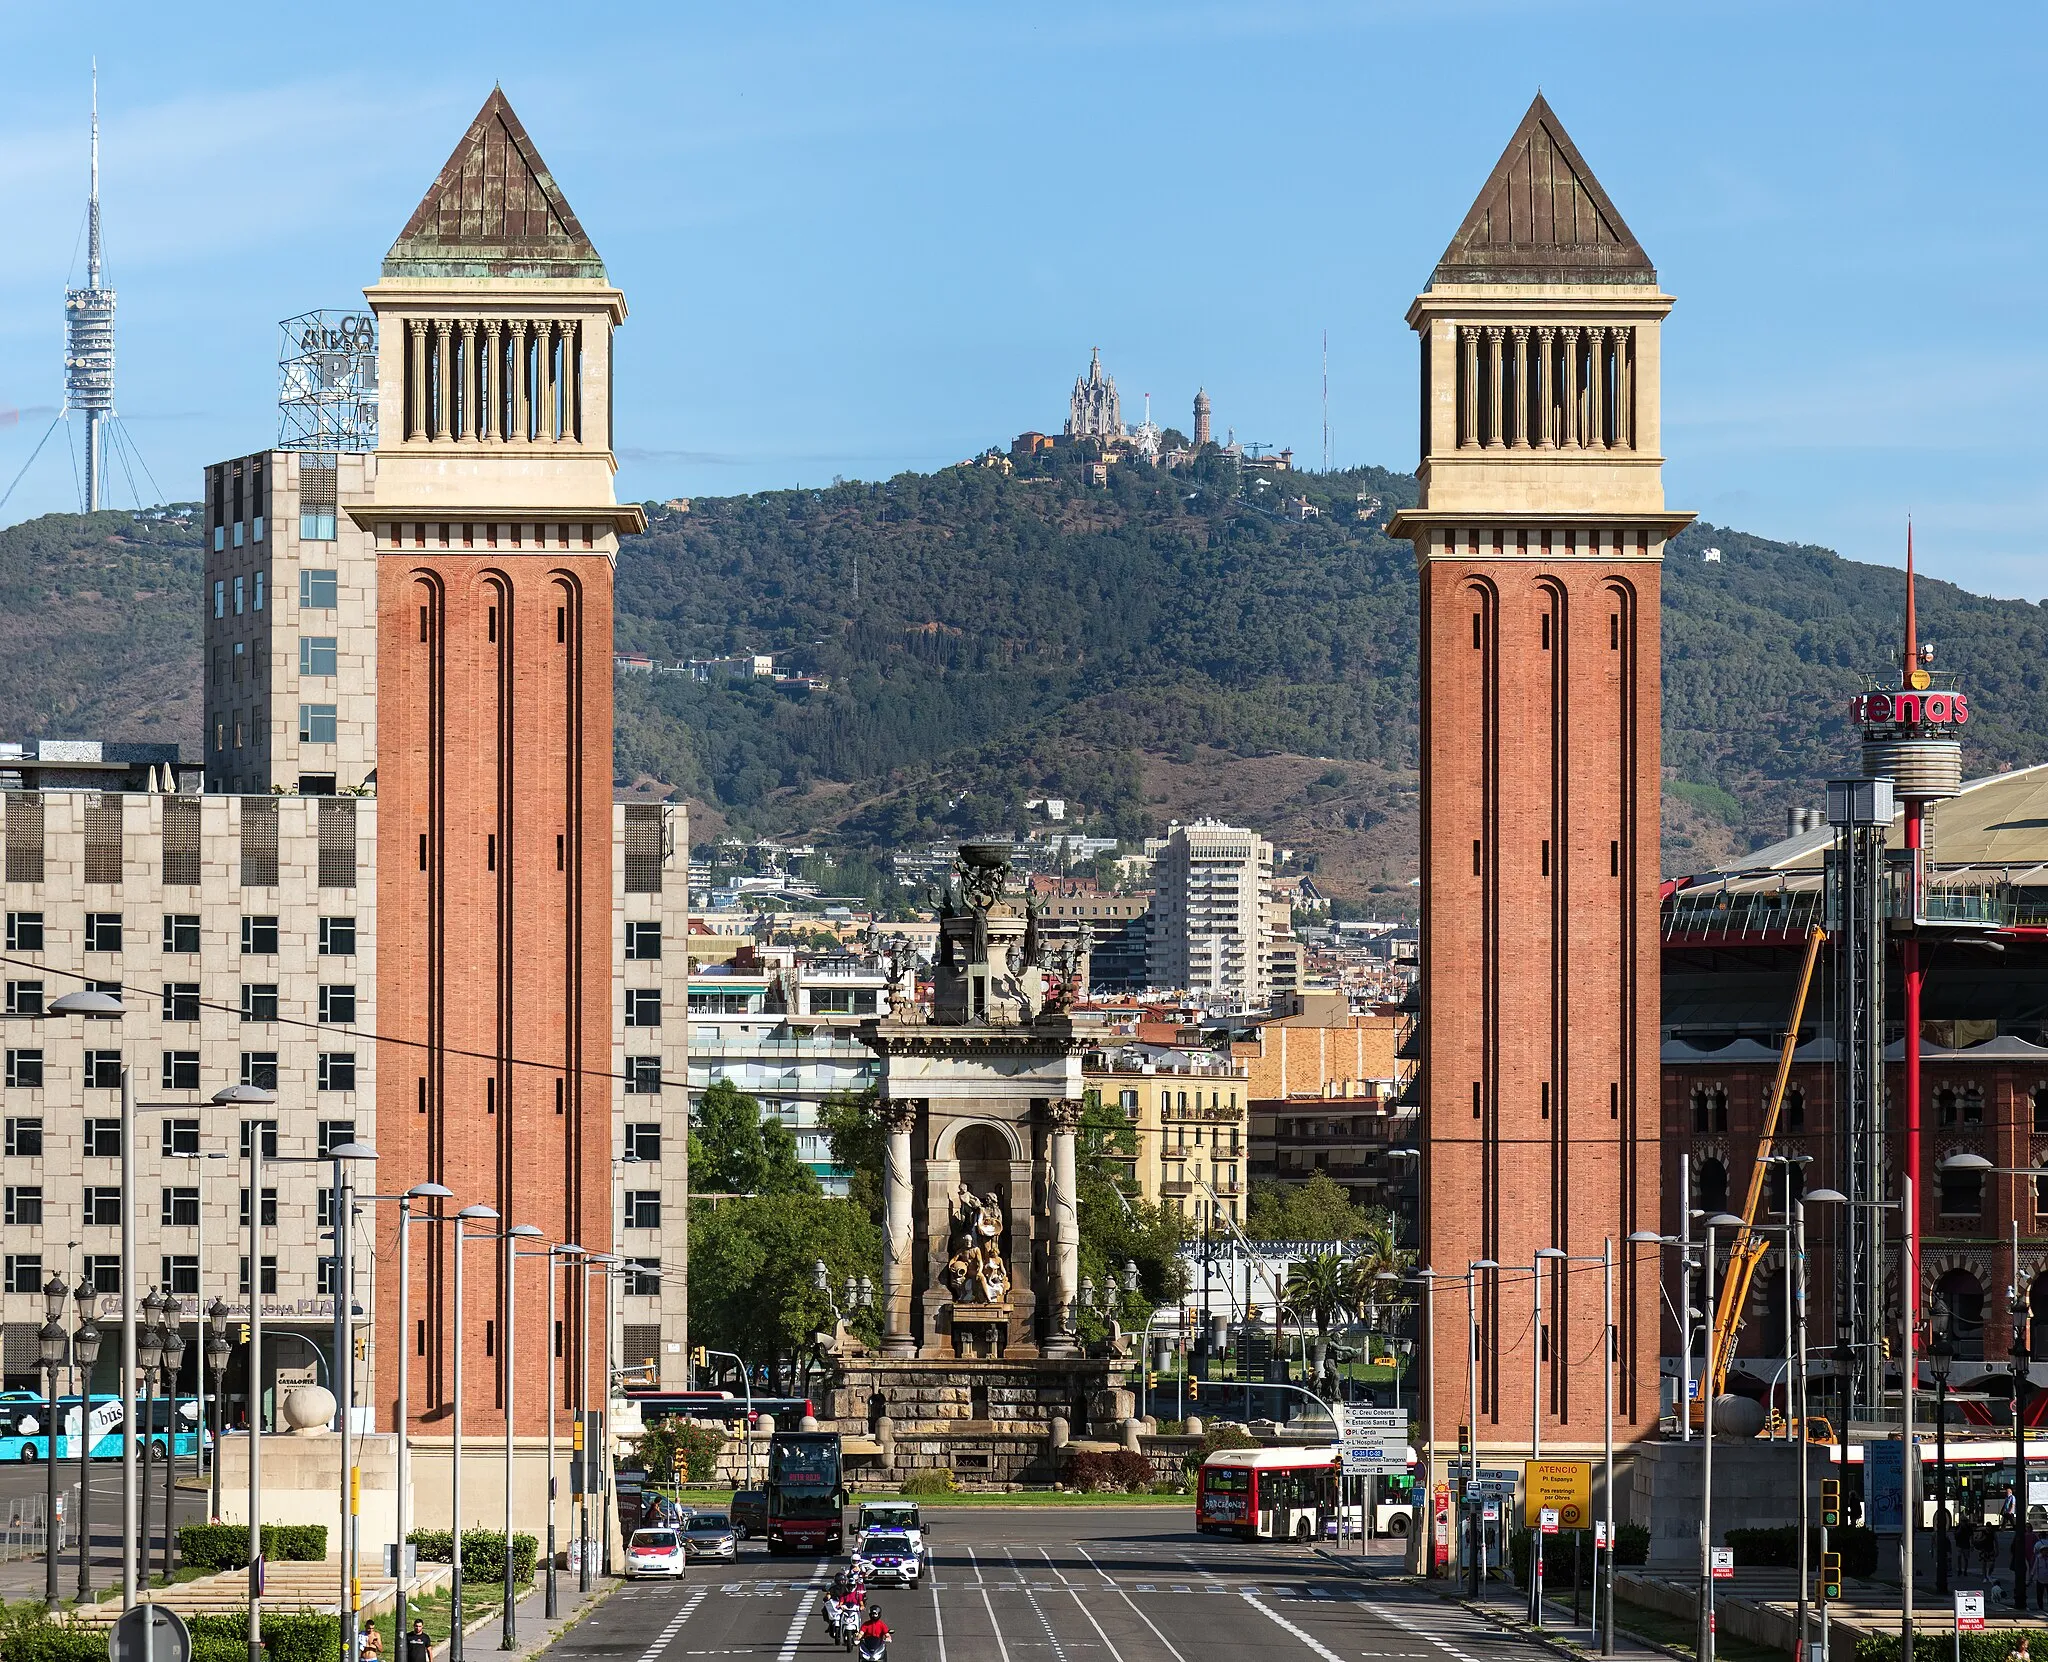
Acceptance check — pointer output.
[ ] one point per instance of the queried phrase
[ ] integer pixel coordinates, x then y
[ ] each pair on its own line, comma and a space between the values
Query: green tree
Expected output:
752, 1273
734, 1150
858, 1145
1318, 1210
1118, 1228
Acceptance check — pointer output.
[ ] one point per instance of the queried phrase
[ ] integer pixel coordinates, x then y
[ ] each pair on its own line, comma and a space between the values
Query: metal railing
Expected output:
23, 1528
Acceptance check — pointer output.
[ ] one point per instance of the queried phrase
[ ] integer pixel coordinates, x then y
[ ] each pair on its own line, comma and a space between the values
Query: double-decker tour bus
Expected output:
805, 1496
1271, 1494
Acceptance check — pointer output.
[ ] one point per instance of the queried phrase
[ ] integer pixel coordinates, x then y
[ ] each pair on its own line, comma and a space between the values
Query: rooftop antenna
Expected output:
89, 331
1912, 662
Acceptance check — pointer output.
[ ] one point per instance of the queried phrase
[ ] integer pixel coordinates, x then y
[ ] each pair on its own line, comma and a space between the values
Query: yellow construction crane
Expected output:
1749, 1246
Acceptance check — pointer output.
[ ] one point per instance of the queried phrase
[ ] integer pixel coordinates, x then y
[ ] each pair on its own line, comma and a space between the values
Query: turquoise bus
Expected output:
25, 1437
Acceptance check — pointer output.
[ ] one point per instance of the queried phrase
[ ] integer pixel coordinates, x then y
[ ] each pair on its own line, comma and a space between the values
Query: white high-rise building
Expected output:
1211, 887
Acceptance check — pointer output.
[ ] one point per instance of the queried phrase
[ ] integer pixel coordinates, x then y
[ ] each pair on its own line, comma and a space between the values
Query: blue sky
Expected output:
863, 238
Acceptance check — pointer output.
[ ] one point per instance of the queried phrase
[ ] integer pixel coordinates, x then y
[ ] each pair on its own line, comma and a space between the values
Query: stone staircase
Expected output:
287, 1586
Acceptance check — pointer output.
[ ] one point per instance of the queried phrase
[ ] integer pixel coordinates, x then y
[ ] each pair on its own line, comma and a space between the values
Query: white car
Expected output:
896, 1514
888, 1556
656, 1552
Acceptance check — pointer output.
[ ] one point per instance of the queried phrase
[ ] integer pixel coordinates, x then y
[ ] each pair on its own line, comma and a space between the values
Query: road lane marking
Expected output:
1056, 1570
675, 1623
976, 1562
1089, 1560
1002, 1650
795, 1635
1092, 1622
938, 1622
1307, 1638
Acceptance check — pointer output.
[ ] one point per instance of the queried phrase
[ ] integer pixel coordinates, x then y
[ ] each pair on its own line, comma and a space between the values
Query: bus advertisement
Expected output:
1271, 1494
25, 1438
805, 1495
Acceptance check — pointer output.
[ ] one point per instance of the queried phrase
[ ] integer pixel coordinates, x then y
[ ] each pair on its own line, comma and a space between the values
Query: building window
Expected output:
338, 1006
1962, 1193
337, 1070
25, 1204
241, 593
643, 1076
181, 1001
24, 1272
24, 931
259, 575
316, 724
25, 1069
103, 1139
102, 1272
24, 1139
259, 1001
24, 998
103, 1070
269, 1262
181, 1070
643, 941
316, 655
1127, 1100
259, 842
220, 587
337, 844
643, 1208
259, 1068
102, 1205
1945, 1105
337, 937
643, 1278
1973, 1105
180, 836
181, 1137
318, 588
643, 1141
333, 1133
103, 931
181, 1272
259, 937
269, 1143
324, 1277
1713, 1186
269, 1215
643, 1007
181, 932
646, 835
1795, 1106
180, 1209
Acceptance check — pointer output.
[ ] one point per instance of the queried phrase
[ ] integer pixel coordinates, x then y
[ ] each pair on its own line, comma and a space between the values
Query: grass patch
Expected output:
479, 1598
1680, 1634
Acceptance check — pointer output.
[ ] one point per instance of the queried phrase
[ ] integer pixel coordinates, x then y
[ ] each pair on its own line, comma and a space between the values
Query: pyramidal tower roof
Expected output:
1543, 218
494, 211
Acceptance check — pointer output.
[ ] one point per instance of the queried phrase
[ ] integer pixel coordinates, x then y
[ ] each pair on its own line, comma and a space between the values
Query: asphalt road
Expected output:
1081, 1585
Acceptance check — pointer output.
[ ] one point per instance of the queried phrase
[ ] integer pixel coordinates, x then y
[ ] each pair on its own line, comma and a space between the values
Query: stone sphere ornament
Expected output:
309, 1410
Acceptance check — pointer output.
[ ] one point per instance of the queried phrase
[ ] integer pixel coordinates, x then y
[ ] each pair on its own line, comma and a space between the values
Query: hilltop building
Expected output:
1539, 529
1093, 412
1212, 914
1201, 417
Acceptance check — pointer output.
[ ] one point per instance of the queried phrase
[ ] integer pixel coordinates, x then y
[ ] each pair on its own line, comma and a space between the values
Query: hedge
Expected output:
483, 1552
204, 1546
288, 1636
1936, 1642
1118, 1471
1631, 1547
935, 1480
1779, 1548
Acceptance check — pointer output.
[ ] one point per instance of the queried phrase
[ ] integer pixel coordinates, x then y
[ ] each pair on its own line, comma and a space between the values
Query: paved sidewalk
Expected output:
536, 1633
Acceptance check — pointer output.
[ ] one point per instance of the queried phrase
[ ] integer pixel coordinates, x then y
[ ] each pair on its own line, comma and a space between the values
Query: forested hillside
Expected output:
1162, 643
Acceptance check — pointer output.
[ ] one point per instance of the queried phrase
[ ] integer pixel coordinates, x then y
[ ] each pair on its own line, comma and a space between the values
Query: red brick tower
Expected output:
496, 534
1539, 533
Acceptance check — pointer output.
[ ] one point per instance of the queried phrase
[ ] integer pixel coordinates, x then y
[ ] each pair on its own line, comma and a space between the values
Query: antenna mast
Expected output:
89, 332
1326, 401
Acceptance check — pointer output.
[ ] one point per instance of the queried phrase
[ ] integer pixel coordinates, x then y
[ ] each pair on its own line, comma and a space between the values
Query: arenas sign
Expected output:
1937, 709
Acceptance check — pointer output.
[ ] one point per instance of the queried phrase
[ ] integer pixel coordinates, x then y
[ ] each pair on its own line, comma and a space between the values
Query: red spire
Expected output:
1912, 661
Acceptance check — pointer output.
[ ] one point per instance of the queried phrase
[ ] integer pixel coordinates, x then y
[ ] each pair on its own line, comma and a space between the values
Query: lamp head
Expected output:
85, 1345
821, 1278
217, 1320
524, 1231
352, 1151
243, 1096
85, 1002
53, 1344
1965, 1161
55, 1296
1646, 1237
480, 1214
1550, 1252
1826, 1197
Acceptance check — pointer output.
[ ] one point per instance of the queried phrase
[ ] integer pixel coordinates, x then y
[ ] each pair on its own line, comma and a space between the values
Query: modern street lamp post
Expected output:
1940, 1355
85, 1351
200, 1159
406, 1219
91, 1003
463, 1235
507, 1353
569, 1252
149, 1351
53, 1345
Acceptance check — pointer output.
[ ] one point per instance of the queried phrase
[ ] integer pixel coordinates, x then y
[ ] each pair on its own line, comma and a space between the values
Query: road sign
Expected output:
1723, 1563
1547, 1520
1566, 1485
1491, 1513
149, 1633
1600, 1532
1969, 1611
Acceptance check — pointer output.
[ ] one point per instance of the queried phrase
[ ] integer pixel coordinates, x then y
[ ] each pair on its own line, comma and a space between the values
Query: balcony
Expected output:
1175, 1188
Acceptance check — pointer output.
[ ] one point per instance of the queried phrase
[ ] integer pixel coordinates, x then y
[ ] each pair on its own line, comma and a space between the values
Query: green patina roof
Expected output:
494, 211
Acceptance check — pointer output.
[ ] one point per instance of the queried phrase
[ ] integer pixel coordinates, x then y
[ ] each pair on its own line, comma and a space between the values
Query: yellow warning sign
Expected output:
1566, 1485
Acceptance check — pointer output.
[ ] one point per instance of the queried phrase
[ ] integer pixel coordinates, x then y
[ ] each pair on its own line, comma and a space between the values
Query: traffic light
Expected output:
700, 1356
1194, 1387
1831, 1575
1830, 1503
1464, 1439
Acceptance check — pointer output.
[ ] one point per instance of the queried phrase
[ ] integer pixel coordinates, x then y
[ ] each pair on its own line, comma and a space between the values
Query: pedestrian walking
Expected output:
419, 1648
2037, 1568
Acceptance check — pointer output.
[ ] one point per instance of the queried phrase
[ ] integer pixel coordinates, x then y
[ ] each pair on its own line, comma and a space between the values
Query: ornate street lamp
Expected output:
54, 1346
1940, 1358
217, 1364
85, 1351
149, 1351
174, 1354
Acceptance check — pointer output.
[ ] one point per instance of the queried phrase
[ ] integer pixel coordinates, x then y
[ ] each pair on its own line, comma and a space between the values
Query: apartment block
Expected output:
1187, 1109
1211, 922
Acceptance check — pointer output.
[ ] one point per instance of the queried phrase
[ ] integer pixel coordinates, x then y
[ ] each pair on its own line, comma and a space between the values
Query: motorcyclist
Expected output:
874, 1632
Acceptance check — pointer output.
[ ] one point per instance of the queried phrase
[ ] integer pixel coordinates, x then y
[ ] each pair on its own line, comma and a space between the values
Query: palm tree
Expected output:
1319, 1288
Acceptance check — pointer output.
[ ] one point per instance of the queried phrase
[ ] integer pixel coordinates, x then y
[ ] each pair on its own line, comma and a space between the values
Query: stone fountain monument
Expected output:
980, 1368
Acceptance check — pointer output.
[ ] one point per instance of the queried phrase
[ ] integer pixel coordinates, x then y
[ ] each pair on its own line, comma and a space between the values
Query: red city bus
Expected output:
1271, 1494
